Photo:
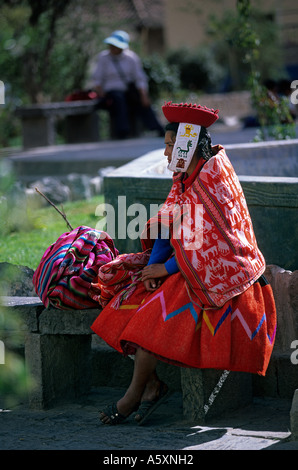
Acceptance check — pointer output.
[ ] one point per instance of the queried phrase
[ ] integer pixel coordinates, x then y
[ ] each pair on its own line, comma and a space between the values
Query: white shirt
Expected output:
106, 72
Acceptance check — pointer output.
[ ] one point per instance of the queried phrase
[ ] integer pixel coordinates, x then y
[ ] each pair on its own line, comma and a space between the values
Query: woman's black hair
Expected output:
204, 146
172, 126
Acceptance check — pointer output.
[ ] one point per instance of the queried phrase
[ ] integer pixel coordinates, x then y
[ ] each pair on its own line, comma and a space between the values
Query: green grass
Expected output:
25, 246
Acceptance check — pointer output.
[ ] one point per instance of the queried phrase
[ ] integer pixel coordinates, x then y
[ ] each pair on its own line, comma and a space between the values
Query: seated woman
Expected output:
195, 296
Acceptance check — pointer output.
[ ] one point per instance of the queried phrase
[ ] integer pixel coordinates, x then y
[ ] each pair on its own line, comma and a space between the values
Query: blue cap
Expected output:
118, 39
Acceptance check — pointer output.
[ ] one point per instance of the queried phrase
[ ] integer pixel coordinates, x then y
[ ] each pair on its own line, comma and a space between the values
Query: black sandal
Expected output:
113, 414
147, 407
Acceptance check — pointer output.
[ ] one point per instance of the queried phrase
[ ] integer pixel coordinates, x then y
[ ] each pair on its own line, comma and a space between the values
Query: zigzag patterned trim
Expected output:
251, 335
213, 330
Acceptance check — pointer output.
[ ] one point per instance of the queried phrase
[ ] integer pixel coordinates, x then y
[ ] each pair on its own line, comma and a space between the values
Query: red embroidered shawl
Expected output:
216, 249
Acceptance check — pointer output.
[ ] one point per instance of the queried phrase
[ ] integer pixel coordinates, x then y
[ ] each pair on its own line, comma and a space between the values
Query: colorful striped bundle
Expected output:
69, 266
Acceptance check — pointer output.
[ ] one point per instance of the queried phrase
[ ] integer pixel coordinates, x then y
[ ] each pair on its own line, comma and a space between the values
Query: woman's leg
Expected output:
144, 384
119, 113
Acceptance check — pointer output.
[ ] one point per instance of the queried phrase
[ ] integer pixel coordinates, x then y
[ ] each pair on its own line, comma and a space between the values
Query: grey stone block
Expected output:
281, 379
285, 290
16, 280
38, 122
38, 131
263, 158
67, 322
294, 416
57, 349
208, 393
60, 367
193, 395
28, 310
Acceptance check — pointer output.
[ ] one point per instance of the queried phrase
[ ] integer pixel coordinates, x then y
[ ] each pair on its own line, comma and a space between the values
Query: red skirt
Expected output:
238, 336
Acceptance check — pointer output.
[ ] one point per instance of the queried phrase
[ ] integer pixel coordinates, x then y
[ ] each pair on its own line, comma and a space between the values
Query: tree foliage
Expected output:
249, 39
198, 70
243, 36
274, 115
40, 47
47, 47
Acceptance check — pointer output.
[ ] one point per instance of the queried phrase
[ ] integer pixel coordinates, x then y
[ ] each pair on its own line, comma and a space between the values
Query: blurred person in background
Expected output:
122, 86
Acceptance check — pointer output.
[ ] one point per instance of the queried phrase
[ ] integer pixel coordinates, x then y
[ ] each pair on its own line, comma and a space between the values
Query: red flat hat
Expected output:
190, 113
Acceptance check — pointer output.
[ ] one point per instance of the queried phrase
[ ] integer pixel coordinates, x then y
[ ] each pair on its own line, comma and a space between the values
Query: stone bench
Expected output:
281, 378
39, 122
59, 358
81, 123
58, 352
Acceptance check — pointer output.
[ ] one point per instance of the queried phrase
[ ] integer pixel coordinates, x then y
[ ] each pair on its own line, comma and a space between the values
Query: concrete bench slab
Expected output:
58, 352
39, 121
57, 349
59, 356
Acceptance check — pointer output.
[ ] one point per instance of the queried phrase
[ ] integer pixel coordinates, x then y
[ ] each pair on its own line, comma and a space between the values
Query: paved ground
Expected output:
75, 426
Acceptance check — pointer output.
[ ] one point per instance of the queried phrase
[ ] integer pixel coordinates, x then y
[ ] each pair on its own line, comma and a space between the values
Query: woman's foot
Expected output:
117, 413
152, 389
111, 415
145, 385
153, 396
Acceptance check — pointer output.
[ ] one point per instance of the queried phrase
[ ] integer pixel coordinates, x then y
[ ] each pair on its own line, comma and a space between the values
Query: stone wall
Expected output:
16, 281
281, 379
285, 288
272, 202
65, 362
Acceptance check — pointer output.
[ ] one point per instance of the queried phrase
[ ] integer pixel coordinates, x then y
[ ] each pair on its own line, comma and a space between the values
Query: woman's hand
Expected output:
151, 275
151, 285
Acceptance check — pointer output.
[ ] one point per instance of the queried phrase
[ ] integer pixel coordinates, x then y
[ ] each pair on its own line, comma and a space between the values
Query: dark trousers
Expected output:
124, 114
